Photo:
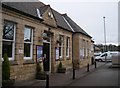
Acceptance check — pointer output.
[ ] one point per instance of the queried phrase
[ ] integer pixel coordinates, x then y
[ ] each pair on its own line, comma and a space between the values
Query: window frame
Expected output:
82, 49
31, 43
13, 41
68, 47
61, 46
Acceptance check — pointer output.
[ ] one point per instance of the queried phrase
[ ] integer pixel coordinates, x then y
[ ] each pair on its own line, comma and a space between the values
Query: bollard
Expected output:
73, 73
95, 64
87, 67
47, 80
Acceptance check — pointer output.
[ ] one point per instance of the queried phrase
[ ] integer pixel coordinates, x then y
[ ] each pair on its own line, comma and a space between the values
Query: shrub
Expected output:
40, 74
60, 65
38, 68
60, 68
5, 68
6, 81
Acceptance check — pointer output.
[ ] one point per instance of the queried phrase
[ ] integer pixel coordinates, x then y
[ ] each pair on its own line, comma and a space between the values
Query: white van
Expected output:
108, 55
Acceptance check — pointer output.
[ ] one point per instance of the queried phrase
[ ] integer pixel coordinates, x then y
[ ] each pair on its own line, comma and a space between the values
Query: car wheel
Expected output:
96, 60
100, 60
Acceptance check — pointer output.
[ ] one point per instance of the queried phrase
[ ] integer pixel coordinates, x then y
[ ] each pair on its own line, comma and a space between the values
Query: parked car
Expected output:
108, 56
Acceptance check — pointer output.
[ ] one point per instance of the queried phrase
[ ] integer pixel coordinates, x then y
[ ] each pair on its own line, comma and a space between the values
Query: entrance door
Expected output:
46, 55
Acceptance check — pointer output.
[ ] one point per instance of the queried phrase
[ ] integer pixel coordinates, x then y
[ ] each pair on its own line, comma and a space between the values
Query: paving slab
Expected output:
62, 79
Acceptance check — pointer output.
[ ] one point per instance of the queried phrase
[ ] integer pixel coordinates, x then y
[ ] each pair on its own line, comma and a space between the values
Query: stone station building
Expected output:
33, 31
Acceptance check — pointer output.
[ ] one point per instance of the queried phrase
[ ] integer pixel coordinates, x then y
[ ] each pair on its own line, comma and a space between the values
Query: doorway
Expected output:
46, 55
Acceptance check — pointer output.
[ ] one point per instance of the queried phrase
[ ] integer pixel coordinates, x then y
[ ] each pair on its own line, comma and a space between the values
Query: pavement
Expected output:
62, 79
105, 76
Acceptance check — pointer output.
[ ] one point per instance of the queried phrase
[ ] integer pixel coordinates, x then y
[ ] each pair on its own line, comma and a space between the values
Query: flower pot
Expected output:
61, 70
41, 76
9, 82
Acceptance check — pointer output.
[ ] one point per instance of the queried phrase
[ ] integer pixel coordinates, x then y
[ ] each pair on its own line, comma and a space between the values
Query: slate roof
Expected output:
75, 27
60, 21
29, 8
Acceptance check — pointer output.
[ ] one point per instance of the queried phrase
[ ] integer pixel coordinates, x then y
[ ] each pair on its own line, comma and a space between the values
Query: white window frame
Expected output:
68, 47
31, 44
86, 48
83, 47
61, 47
92, 47
13, 42
89, 48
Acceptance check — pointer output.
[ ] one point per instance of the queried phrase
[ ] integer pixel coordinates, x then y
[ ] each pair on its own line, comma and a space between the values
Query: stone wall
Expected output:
78, 45
23, 72
48, 19
22, 69
67, 61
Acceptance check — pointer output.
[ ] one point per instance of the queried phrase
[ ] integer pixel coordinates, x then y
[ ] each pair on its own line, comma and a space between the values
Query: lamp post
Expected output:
46, 62
104, 36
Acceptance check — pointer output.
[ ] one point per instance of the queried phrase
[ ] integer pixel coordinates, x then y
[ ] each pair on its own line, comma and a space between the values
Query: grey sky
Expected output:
89, 16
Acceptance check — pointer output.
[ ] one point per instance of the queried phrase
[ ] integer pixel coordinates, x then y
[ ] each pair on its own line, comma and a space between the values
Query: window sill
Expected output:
67, 58
12, 62
57, 60
28, 62
60, 59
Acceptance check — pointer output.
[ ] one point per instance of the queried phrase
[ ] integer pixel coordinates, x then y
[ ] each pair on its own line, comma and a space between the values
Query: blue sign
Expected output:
39, 53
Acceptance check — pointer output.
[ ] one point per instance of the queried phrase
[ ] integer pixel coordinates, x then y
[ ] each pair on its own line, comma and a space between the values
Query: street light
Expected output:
104, 36
46, 62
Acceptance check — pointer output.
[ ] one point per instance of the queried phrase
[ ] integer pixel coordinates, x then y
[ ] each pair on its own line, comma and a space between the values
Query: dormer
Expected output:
39, 13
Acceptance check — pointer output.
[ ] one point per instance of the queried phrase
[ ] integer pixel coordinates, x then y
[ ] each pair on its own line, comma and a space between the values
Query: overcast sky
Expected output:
89, 16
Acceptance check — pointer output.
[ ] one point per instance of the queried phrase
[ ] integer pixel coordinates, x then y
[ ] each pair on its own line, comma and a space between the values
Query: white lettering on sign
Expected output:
57, 53
20, 51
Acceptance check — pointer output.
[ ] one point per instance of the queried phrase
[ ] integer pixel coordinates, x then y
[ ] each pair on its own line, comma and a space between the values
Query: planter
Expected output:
8, 82
41, 76
61, 70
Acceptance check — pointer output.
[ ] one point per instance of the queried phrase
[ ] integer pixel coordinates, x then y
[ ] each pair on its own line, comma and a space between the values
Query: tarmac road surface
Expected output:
105, 76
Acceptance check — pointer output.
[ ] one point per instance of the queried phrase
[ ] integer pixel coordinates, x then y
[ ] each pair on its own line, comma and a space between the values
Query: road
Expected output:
104, 76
